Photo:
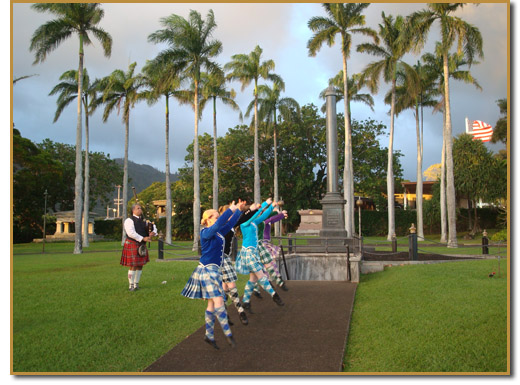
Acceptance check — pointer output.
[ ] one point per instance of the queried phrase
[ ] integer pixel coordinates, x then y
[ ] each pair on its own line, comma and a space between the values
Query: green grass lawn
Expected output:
74, 313
448, 317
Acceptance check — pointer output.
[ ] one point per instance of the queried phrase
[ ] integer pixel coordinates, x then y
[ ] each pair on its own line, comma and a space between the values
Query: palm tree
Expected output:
80, 19
164, 81
121, 91
345, 20
354, 86
415, 90
213, 88
269, 103
434, 66
67, 90
469, 42
190, 50
391, 51
247, 69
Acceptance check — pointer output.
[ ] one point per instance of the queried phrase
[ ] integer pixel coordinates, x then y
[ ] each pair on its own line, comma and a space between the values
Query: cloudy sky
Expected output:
281, 30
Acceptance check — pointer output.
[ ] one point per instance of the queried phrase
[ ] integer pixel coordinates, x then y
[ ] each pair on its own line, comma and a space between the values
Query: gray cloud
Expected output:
281, 30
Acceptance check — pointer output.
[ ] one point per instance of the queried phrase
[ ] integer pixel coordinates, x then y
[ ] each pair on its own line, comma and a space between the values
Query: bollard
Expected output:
290, 246
160, 254
349, 278
485, 242
412, 244
394, 243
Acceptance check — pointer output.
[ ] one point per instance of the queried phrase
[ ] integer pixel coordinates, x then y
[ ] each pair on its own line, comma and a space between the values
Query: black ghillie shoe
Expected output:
243, 318
247, 306
284, 287
257, 294
229, 321
231, 341
211, 342
277, 299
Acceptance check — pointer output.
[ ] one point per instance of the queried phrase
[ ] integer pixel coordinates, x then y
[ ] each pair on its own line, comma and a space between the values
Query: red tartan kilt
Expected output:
130, 255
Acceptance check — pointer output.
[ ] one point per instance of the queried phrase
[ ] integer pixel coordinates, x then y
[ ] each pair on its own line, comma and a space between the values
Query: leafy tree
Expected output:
121, 91
246, 69
190, 50
475, 172
391, 51
72, 18
469, 41
270, 102
345, 20
500, 131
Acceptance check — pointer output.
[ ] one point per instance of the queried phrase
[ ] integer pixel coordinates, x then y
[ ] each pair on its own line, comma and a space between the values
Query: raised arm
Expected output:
221, 221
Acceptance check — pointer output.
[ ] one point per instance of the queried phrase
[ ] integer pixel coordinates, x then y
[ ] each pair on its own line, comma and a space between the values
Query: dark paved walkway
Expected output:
308, 334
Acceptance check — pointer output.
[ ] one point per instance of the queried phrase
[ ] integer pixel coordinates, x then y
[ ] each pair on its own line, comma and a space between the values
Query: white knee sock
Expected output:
131, 277
137, 276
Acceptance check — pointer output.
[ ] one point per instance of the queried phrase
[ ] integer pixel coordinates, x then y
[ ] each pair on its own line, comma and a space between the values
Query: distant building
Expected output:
408, 197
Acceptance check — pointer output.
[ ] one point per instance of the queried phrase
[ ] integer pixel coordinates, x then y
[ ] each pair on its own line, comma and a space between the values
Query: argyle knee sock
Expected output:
257, 287
272, 274
210, 324
248, 290
221, 314
233, 294
131, 275
266, 286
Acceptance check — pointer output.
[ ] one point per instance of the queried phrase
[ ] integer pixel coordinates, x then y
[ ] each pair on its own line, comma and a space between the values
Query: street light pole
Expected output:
44, 220
359, 203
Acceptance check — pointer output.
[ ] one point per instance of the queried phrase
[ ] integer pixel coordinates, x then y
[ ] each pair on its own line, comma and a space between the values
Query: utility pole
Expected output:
118, 200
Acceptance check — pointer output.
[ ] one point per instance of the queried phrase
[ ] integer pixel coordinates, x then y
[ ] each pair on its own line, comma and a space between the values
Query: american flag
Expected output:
481, 130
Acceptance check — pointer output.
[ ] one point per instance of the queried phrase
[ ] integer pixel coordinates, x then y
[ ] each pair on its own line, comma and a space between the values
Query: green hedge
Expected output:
375, 223
110, 229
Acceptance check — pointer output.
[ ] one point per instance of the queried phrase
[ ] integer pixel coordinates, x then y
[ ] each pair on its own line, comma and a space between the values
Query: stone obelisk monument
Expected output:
333, 218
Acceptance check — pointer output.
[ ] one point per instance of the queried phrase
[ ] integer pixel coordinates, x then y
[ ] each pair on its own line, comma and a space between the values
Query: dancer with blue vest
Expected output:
206, 280
248, 260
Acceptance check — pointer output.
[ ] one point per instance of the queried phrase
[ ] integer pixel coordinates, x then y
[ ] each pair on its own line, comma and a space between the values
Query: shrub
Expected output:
500, 236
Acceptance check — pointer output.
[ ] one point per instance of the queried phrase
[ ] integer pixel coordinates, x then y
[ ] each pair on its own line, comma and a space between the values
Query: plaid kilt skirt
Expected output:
248, 261
130, 254
264, 253
228, 270
273, 250
205, 283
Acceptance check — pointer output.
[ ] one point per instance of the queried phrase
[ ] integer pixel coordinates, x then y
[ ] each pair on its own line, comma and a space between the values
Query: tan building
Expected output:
408, 197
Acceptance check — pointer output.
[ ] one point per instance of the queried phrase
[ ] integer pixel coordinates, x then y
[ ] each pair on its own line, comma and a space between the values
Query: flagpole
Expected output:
467, 129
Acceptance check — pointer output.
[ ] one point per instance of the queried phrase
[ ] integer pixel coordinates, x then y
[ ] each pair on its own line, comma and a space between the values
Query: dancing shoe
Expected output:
231, 341
247, 306
277, 299
229, 321
211, 342
257, 294
243, 317
284, 287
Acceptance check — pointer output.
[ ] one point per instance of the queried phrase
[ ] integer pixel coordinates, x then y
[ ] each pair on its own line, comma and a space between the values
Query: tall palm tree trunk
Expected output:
257, 196
444, 224
168, 235
215, 156
275, 172
196, 172
390, 174
125, 178
450, 182
86, 202
419, 187
348, 172
78, 183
